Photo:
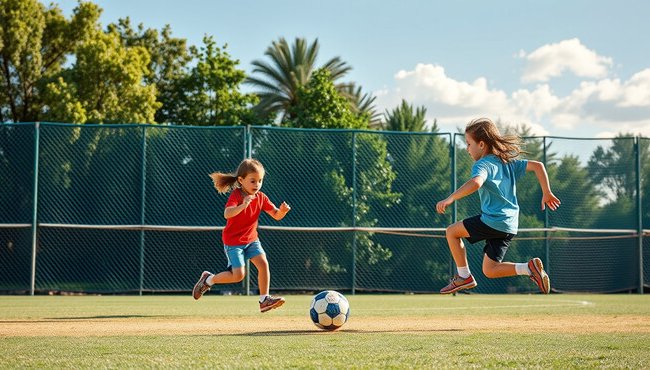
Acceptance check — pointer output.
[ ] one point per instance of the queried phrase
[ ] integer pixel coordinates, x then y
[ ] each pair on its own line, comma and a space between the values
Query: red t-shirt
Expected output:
242, 229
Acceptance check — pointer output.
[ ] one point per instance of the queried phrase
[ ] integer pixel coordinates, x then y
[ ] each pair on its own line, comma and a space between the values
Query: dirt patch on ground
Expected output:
270, 324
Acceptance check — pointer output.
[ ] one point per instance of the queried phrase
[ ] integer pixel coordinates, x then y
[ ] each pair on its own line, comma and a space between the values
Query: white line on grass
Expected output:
566, 304
563, 304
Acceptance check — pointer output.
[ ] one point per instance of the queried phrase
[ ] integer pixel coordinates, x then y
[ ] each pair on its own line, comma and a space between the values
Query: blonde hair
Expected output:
224, 182
506, 147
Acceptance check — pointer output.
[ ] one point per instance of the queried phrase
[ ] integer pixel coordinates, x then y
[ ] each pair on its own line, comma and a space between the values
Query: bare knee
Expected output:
456, 230
489, 268
260, 262
489, 273
238, 274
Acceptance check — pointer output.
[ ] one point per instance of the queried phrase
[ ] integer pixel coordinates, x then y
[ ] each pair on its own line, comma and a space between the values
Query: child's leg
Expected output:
263, 273
464, 278
235, 275
207, 280
454, 234
267, 302
493, 269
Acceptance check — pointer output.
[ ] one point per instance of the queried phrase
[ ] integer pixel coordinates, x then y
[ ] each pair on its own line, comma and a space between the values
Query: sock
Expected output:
463, 272
522, 269
263, 297
209, 280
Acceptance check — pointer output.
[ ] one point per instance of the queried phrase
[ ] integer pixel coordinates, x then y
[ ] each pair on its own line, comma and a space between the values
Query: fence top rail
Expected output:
452, 135
571, 137
556, 229
310, 228
123, 125
368, 131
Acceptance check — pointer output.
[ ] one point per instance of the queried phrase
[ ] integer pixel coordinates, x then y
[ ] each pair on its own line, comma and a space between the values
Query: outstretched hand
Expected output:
284, 207
443, 204
247, 200
551, 201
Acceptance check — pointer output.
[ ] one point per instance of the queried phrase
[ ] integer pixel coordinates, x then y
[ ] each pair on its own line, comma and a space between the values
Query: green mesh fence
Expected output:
16, 205
130, 208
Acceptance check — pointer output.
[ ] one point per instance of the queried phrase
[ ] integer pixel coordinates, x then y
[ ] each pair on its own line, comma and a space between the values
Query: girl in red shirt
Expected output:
240, 240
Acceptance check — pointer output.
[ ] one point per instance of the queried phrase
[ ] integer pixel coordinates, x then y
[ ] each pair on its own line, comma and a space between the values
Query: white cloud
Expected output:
454, 103
552, 60
429, 82
636, 91
608, 104
592, 108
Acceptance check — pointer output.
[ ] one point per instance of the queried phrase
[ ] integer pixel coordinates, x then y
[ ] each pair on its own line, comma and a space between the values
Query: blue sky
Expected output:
564, 68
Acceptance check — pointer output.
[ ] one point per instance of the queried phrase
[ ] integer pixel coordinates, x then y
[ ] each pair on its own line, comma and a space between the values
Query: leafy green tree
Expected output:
289, 67
614, 169
320, 105
573, 183
35, 43
103, 86
168, 63
423, 169
422, 165
348, 194
208, 94
529, 193
362, 103
403, 118
645, 182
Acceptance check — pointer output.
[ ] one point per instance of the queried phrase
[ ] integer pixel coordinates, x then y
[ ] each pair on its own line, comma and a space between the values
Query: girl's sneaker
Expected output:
201, 286
458, 283
271, 302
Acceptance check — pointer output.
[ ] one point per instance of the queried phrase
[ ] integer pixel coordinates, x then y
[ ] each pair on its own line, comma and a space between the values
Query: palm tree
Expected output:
362, 103
403, 118
289, 68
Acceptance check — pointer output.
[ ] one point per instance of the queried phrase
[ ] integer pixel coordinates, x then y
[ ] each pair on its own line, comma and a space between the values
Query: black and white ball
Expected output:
329, 310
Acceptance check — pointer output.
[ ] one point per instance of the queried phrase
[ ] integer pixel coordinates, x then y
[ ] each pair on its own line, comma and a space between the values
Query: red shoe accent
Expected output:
458, 283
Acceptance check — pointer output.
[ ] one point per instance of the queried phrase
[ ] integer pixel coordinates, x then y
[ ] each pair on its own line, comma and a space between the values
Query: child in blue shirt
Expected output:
494, 175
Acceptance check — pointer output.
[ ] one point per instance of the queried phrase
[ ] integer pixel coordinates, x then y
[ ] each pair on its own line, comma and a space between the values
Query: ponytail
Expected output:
224, 182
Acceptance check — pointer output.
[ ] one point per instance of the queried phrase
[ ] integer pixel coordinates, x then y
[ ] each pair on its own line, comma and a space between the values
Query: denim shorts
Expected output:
238, 254
496, 242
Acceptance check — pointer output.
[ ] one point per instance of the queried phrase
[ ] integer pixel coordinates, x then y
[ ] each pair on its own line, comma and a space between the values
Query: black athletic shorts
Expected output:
496, 242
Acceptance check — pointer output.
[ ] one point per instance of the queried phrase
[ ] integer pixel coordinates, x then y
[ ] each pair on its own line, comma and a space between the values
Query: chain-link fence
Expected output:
130, 208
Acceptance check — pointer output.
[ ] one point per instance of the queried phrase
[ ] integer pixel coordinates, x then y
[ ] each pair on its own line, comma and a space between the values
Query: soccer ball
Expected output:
329, 310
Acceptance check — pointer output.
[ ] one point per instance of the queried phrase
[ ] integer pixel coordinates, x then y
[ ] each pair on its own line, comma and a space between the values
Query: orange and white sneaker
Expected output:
271, 302
458, 283
539, 276
201, 286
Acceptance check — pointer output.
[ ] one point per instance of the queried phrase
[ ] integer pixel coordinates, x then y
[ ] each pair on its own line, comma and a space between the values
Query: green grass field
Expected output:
384, 331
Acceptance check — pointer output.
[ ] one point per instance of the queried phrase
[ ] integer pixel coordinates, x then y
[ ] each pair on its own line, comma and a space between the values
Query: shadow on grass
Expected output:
81, 318
272, 333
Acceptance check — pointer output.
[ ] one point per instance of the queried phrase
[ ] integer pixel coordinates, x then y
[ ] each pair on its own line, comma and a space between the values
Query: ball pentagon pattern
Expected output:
329, 310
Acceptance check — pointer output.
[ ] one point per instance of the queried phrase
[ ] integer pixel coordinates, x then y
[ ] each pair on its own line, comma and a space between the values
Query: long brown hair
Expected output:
506, 147
224, 182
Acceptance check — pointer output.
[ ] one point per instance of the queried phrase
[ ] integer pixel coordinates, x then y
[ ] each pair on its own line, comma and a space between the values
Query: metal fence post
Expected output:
354, 211
248, 152
143, 179
547, 244
639, 213
32, 285
454, 183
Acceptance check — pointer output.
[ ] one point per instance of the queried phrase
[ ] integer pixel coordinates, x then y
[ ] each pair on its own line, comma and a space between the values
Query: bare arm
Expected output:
279, 213
548, 198
466, 189
230, 212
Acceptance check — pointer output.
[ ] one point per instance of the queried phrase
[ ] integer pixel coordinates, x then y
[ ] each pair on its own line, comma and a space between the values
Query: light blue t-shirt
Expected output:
499, 207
